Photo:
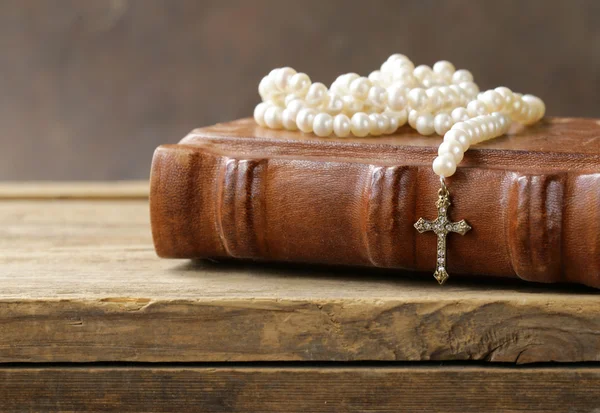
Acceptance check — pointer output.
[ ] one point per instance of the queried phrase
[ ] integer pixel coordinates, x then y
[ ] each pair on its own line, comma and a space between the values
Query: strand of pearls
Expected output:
438, 99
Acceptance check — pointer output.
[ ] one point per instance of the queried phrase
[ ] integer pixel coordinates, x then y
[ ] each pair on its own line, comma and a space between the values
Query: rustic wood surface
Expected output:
288, 390
74, 190
80, 282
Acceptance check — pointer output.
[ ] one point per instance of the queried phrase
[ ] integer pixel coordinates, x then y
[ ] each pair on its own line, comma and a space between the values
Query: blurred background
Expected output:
88, 88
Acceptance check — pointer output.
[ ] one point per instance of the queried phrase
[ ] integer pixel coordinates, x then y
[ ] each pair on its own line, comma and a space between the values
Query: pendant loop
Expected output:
444, 189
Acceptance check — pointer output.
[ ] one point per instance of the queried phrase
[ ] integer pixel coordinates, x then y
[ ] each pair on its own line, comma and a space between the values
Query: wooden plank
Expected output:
80, 282
74, 190
315, 390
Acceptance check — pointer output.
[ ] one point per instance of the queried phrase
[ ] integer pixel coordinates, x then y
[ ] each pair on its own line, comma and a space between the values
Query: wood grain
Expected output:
315, 390
74, 190
80, 282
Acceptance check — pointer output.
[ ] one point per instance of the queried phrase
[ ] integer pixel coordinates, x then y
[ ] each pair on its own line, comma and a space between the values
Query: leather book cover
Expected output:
236, 190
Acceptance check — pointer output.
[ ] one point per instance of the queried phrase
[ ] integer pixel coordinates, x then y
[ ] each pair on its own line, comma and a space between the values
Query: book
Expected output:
237, 190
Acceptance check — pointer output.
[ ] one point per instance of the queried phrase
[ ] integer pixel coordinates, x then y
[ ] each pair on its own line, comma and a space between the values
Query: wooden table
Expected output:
92, 320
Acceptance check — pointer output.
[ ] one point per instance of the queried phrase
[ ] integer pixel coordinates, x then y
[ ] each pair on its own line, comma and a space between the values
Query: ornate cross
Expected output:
442, 226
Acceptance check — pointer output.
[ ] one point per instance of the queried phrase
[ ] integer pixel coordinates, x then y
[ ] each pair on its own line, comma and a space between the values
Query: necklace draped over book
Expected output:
439, 99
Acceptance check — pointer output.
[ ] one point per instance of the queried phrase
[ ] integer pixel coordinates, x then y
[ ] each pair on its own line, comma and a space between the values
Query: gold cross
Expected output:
442, 226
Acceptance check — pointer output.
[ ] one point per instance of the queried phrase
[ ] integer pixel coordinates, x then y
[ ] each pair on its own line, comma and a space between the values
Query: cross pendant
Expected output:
441, 226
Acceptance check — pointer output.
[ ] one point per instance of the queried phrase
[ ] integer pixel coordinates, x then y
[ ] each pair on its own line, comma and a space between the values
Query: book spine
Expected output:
538, 227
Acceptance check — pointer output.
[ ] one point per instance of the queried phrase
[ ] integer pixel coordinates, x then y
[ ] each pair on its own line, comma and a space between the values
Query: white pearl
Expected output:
392, 123
375, 77
476, 134
380, 78
446, 96
401, 70
378, 124
461, 126
498, 125
396, 96
502, 122
295, 105
442, 123
462, 98
335, 88
259, 113
386, 67
408, 81
282, 78
323, 124
273, 117
444, 165
397, 119
516, 105
538, 104
397, 65
460, 137
423, 72
340, 84
383, 123
444, 68
462, 75
435, 98
334, 105
360, 124
412, 118
425, 124
454, 97
531, 112
377, 97
316, 93
266, 88
453, 148
459, 114
417, 99
398, 56
492, 100
288, 119
324, 102
429, 83
476, 108
305, 118
402, 117
507, 95
482, 123
352, 105
470, 89
526, 114
346, 80
369, 109
289, 98
299, 84
520, 108
359, 88
341, 125
492, 127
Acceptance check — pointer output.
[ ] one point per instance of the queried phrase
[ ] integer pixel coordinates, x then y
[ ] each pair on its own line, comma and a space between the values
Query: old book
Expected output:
236, 190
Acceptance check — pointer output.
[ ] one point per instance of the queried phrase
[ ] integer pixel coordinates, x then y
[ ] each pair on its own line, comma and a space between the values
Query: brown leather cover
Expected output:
237, 190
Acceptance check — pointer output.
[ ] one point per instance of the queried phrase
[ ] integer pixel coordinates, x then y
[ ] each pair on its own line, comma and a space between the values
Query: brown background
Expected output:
89, 88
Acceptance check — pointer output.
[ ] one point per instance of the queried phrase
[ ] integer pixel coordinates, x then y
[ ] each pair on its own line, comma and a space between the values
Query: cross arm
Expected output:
461, 227
423, 225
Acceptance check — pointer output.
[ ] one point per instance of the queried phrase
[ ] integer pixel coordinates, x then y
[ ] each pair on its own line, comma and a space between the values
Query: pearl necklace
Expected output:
439, 100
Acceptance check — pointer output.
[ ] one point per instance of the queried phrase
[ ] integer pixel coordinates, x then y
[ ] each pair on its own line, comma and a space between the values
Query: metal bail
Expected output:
444, 189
